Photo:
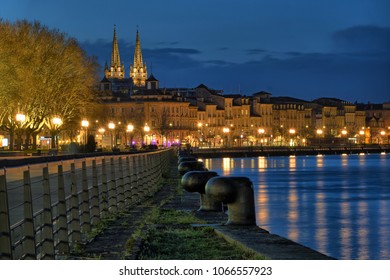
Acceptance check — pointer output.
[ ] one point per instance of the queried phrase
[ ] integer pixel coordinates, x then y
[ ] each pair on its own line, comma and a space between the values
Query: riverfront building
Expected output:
205, 117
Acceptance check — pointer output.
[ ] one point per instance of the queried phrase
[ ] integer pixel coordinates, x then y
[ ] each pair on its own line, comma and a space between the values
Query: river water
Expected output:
338, 205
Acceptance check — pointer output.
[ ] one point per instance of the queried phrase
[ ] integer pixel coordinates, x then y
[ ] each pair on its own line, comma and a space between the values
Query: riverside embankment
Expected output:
124, 193
255, 151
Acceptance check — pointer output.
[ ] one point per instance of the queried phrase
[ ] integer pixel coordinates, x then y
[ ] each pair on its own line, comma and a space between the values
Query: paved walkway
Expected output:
115, 241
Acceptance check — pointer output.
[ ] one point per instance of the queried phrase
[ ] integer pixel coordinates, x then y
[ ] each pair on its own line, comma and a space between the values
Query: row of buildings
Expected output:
205, 117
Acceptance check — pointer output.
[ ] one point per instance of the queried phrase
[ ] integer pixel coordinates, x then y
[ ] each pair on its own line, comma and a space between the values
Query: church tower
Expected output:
116, 70
138, 70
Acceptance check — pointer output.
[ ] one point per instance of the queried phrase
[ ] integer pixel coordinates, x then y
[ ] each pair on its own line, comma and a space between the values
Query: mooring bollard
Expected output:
186, 166
237, 193
195, 181
186, 158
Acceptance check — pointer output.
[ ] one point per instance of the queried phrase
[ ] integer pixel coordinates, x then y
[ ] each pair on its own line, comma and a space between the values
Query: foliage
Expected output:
45, 74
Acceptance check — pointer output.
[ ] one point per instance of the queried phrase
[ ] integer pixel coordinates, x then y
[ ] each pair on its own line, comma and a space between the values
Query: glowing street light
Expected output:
85, 124
292, 132
20, 117
130, 128
111, 126
261, 131
57, 122
226, 130
146, 129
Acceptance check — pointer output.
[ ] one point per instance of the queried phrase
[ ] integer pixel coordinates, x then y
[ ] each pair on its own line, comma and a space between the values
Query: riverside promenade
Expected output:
116, 241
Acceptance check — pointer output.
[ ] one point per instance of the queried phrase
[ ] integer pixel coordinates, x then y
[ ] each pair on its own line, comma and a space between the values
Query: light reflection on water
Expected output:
338, 205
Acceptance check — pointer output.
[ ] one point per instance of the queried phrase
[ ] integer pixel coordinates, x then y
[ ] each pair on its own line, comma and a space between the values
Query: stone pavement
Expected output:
113, 242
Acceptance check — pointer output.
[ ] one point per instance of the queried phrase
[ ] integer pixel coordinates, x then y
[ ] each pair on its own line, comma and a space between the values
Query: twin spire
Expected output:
138, 70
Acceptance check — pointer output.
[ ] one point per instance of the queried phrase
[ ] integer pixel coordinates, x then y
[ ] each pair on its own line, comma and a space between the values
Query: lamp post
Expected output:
319, 134
85, 124
383, 133
292, 133
101, 132
362, 138
146, 129
261, 131
57, 122
226, 131
130, 129
20, 118
111, 127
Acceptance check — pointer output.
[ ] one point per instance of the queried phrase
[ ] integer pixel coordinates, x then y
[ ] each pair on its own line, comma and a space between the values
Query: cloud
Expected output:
255, 51
363, 39
164, 51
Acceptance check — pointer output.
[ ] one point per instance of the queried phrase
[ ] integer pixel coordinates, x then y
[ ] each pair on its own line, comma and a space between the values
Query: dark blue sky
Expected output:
305, 49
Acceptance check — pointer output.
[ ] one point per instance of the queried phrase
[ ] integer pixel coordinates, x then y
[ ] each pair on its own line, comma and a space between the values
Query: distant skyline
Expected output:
303, 49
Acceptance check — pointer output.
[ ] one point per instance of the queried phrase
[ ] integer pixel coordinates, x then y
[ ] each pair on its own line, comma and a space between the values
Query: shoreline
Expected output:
287, 151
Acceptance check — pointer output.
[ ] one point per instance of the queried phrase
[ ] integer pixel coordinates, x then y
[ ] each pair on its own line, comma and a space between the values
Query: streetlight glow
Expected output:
20, 117
57, 121
84, 123
130, 128
111, 125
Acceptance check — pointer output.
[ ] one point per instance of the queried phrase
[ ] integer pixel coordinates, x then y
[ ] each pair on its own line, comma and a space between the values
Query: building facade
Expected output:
205, 117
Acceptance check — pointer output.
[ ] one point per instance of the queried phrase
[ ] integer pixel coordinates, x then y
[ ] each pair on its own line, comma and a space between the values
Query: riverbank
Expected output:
256, 151
128, 235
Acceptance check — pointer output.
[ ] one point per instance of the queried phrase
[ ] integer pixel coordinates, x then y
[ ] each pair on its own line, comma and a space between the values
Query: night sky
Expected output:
304, 49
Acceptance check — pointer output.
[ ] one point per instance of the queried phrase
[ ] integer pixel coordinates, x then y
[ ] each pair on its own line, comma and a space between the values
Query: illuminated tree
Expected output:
45, 74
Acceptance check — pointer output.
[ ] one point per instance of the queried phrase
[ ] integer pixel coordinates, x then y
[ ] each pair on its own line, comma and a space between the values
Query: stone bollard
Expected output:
186, 158
195, 181
237, 193
186, 166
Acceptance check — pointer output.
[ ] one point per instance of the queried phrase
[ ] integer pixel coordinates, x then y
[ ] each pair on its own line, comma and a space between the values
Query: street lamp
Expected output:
20, 118
261, 131
111, 126
57, 122
146, 129
292, 132
130, 129
319, 134
85, 124
226, 130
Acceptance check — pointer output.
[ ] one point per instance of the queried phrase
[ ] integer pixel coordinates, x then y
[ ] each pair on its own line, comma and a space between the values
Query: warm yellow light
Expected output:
130, 128
320, 131
111, 125
344, 132
20, 117
200, 124
226, 130
292, 131
261, 130
361, 132
146, 128
383, 132
57, 121
84, 123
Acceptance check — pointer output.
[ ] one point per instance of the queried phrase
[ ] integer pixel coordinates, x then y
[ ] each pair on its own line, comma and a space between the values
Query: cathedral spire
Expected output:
115, 57
138, 70
116, 70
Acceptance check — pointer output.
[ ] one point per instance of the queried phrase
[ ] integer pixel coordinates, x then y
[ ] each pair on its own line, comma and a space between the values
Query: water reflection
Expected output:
262, 202
261, 163
226, 166
339, 205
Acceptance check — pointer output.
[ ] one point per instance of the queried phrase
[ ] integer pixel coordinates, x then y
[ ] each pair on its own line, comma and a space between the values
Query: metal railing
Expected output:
46, 209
